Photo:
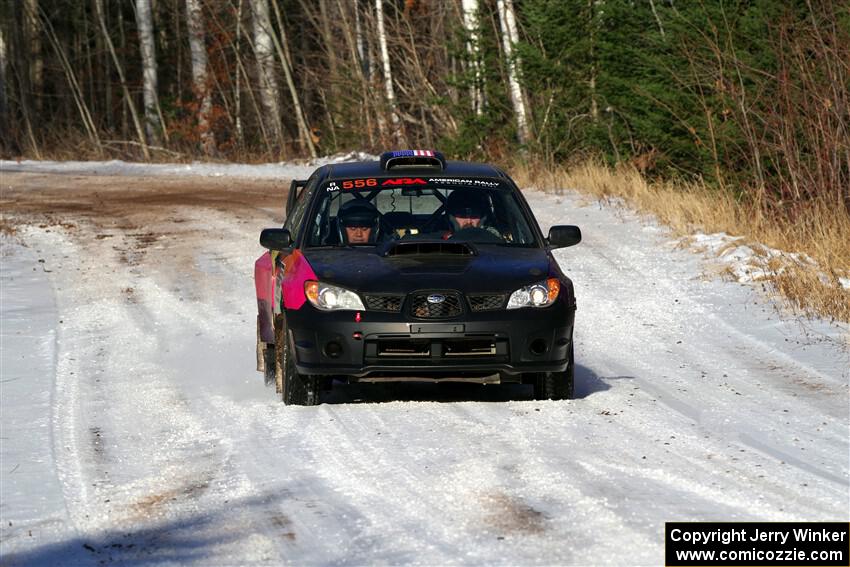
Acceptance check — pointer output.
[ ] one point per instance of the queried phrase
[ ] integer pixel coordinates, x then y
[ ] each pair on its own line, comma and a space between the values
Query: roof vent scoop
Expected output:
412, 159
415, 248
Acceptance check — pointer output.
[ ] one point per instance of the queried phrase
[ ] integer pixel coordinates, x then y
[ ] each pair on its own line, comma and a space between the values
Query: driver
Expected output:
467, 209
358, 222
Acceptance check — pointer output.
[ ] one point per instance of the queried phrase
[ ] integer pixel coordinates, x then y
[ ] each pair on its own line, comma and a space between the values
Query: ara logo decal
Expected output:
404, 181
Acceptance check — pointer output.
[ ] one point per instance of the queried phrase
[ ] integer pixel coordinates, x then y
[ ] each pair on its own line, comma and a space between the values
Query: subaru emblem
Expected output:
436, 298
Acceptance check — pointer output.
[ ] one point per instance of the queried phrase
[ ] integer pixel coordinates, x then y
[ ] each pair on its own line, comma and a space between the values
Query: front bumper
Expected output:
392, 346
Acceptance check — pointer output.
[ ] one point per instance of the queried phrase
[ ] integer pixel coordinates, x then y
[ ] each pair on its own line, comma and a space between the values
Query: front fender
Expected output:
296, 271
279, 285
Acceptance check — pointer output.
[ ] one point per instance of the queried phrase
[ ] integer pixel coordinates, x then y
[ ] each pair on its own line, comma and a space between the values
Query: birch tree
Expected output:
264, 50
362, 51
388, 75
510, 37
470, 23
365, 49
149, 70
198, 49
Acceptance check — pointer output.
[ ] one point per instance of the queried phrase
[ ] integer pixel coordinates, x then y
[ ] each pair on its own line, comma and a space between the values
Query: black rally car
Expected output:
413, 268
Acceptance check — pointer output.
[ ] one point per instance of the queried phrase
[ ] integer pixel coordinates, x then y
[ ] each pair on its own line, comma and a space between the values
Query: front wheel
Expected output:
556, 385
269, 364
295, 389
265, 357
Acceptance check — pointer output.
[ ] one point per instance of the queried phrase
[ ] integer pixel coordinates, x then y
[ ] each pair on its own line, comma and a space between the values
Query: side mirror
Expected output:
276, 239
561, 236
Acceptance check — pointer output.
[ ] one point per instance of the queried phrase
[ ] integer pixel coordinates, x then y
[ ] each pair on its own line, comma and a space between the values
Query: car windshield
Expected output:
374, 211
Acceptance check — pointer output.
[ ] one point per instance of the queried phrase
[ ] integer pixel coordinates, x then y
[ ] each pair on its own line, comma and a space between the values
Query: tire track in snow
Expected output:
647, 316
124, 429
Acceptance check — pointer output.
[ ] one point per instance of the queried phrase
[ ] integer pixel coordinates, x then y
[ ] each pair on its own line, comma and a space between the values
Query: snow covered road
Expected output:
136, 430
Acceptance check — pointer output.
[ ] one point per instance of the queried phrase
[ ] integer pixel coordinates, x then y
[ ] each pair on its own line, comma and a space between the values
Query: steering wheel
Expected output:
476, 234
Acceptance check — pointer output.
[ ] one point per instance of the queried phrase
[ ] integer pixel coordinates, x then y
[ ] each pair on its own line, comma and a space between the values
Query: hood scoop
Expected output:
429, 247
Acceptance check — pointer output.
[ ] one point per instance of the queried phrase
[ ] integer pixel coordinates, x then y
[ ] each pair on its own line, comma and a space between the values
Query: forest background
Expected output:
721, 115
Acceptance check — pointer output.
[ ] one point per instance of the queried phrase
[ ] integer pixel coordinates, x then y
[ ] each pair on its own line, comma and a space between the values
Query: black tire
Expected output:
265, 357
269, 364
279, 334
557, 385
295, 389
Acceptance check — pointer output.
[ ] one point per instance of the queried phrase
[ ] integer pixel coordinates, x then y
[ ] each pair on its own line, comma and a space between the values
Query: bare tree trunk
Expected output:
237, 91
103, 69
372, 74
252, 96
264, 48
510, 37
362, 50
594, 34
282, 47
36, 60
245, 77
73, 84
355, 47
657, 19
132, 106
198, 49
470, 23
5, 137
149, 70
19, 52
398, 134
89, 68
125, 128
333, 66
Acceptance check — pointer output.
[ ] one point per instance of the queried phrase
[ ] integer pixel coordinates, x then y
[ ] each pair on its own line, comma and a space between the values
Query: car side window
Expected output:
293, 221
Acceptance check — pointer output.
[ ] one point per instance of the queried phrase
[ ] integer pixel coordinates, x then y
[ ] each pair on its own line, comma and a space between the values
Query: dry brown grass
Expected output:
818, 229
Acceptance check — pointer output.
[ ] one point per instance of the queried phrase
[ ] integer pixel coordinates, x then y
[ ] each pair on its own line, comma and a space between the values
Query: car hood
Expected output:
493, 268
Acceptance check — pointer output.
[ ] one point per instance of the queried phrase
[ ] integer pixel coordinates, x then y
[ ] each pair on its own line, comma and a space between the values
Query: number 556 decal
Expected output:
359, 183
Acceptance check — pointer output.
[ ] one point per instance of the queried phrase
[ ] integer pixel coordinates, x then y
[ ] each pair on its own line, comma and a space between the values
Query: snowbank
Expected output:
119, 167
748, 263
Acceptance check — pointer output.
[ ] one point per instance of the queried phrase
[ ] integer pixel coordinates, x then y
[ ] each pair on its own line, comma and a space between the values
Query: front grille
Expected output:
400, 350
469, 347
389, 303
487, 302
421, 308
408, 348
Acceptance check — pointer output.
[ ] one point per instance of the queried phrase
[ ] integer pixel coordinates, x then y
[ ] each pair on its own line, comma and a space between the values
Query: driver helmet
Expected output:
467, 203
358, 212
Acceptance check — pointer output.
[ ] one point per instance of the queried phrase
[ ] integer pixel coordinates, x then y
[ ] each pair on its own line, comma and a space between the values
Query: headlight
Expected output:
331, 298
538, 294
